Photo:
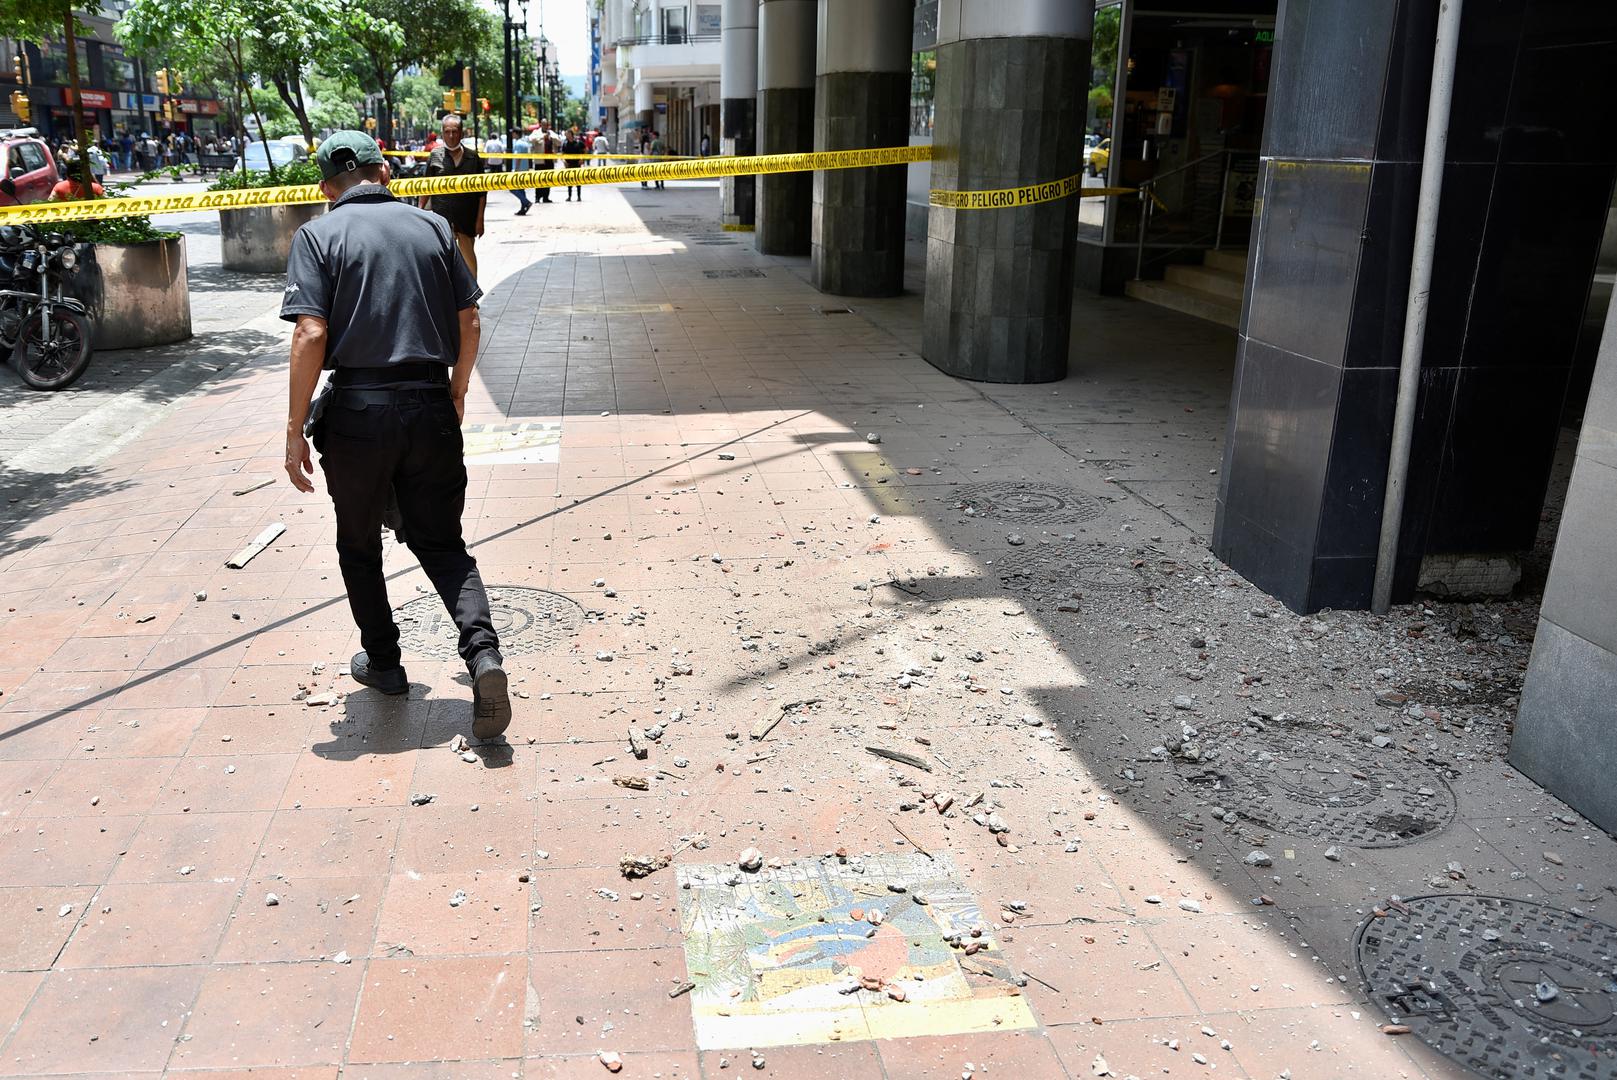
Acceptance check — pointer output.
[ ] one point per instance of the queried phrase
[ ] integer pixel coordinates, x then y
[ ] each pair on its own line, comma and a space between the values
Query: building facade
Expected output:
119, 91
659, 70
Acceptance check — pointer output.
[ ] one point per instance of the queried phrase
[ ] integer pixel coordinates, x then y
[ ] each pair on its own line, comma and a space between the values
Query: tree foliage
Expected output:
399, 35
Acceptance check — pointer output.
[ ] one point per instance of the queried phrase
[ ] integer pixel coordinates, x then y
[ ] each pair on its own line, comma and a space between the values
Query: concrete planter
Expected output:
258, 238
136, 293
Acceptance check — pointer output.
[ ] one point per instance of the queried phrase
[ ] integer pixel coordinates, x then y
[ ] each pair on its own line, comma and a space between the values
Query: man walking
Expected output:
602, 147
382, 298
464, 212
520, 145
659, 149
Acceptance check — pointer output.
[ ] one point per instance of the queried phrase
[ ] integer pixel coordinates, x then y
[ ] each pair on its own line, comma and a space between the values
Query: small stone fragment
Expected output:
612, 1060
271, 900
1259, 858
751, 860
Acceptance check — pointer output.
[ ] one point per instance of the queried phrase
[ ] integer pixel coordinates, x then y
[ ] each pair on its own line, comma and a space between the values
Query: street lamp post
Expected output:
510, 37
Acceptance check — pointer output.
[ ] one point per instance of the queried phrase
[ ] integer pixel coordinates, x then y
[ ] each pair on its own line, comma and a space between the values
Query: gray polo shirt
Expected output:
387, 277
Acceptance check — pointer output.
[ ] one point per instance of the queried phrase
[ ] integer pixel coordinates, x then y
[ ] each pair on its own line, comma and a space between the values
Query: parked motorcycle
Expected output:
48, 332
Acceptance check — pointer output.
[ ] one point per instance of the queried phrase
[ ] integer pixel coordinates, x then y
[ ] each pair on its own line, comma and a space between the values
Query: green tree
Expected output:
190, 31
399, 35
289, 34
39, 21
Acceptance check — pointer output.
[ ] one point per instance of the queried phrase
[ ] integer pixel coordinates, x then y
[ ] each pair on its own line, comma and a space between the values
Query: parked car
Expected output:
282, 153
1100, 157
29, 170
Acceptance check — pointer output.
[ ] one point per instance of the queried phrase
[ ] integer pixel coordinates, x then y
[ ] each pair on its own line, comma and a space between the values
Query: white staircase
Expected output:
1211, 291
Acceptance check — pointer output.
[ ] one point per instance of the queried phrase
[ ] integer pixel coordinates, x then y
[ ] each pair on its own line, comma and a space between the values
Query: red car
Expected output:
27, 170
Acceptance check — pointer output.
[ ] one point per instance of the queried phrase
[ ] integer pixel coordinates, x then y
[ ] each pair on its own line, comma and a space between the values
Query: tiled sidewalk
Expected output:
205, 869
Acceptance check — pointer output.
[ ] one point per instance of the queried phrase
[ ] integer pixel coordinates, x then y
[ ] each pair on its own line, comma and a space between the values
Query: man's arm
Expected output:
308, 358
471, 332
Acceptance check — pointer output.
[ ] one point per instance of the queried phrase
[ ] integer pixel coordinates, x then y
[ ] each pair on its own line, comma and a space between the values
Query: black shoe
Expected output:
569, 198
524, 210
388, 680
491, 703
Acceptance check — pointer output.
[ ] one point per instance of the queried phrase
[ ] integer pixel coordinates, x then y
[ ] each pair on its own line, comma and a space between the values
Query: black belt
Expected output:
390, 395
413, 376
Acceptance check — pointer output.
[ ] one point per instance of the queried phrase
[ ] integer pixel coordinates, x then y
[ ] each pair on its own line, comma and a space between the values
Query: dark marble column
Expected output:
786, 43
1531, 158
738, 108
1010, 113
861, 101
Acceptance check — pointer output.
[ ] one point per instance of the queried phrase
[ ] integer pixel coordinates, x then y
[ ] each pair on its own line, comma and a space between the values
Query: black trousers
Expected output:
372, 442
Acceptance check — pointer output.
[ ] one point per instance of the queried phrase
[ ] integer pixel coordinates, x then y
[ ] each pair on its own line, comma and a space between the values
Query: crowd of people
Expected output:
138, 152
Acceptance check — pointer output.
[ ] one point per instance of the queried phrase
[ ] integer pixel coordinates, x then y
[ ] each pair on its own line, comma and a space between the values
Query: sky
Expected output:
566, 22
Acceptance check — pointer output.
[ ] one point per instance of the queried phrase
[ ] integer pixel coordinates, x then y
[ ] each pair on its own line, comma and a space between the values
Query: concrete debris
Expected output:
271, 900
873, 438
457, 898
1333, 853
751, 860
65, 910
342, 958
639, 866
421, 799
255, 546
1259, 858
611, 1059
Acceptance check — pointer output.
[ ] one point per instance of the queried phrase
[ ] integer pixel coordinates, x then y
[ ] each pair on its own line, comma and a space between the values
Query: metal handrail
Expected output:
665, 39
1150, 199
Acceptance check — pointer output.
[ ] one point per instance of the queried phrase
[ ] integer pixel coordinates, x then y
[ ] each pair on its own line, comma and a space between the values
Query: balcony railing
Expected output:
666, 39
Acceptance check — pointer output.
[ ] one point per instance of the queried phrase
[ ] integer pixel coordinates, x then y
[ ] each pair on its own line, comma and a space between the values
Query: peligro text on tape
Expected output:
1030, 195
416, 187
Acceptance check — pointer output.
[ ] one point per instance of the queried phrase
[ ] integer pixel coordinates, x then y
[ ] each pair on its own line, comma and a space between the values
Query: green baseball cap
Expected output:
346, 151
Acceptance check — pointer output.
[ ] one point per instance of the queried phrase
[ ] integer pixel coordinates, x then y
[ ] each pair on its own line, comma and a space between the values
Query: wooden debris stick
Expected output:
764, 726
910, 838
912, 760
260, 542
1038, 980
260, 486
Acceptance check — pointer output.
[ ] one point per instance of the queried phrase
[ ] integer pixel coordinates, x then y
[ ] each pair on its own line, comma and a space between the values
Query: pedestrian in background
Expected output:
645, 147
382, 298
519, 145
707, 144
126, 151
601, 148
658, 149
547, 144
574, 145
464, 212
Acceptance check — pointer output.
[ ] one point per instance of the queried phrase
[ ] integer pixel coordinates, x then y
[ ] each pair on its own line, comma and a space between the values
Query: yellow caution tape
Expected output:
738, 227
495, 155
1031, 195
416, 187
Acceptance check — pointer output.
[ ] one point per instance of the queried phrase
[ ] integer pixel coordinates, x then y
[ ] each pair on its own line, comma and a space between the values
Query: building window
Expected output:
923, 89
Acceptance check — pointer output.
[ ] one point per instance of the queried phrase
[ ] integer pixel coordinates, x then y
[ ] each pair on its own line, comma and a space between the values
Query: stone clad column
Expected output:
861, 101
1012, 85
786, 40
738, 96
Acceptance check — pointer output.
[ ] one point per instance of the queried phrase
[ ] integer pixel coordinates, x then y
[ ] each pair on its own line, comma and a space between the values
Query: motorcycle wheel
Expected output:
54, 362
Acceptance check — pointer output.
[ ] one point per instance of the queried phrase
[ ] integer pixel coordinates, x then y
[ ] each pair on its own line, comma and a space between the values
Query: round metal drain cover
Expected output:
527, 620
1505, 987
1036, 503
1338, 795
1044, 564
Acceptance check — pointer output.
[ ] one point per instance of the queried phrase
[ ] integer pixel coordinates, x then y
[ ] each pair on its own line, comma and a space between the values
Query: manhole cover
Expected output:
527, 620
1036, 503
1338, 795
1044, 564
1506, 987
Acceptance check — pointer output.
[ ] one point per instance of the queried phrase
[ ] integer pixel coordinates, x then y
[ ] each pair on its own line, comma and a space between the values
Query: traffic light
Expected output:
16, 68
162, 80
19, 105
370, 123
450, 100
